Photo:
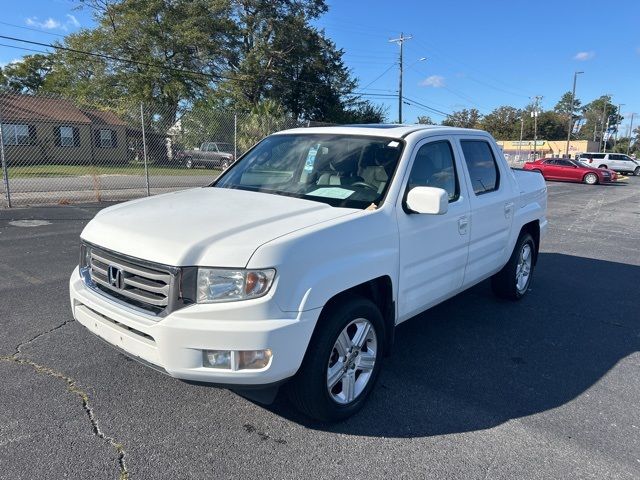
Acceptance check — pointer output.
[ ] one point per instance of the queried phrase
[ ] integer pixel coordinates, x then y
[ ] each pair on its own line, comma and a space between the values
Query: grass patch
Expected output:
39, 171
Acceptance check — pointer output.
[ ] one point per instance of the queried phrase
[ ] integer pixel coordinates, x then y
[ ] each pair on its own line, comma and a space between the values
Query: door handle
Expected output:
463, 225
508, 209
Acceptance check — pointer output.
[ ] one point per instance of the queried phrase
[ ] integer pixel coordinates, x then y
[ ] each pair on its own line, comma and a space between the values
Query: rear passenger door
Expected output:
492, 207
433, 248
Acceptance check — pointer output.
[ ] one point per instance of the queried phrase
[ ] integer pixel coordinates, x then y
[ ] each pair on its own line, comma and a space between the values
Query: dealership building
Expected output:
524, 150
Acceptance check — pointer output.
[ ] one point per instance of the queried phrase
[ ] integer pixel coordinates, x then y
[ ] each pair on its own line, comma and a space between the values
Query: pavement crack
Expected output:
18, 350
72, 387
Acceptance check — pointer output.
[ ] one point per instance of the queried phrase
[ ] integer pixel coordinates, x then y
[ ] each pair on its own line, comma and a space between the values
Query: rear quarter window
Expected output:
482, 166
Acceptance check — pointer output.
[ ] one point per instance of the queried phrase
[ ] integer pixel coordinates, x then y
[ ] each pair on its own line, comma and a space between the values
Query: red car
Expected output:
569, 170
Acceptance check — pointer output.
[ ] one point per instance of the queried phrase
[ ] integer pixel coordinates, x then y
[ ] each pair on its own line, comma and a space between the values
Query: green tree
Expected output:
565, 107
551, 126
463, 118
503, 122
425, 120
595, 114
164, 41
280, 56
27, 75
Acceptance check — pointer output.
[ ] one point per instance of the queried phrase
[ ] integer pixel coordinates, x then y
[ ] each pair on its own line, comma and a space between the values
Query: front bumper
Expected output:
174, 344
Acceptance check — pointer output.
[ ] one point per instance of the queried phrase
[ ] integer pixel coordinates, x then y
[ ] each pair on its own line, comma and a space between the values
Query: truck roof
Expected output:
381, 130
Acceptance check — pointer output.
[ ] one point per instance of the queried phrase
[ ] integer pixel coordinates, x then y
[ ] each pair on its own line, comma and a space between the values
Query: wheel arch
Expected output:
533, 229
378, 290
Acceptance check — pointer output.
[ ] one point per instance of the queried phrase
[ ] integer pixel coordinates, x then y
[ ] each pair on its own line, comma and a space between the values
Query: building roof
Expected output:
104, 117
29, 108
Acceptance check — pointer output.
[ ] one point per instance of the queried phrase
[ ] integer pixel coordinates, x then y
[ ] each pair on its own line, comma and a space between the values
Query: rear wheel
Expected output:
513, 281
590, 179
342, 361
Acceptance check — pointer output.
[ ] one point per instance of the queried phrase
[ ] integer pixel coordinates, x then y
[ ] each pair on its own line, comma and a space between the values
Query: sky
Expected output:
462, 54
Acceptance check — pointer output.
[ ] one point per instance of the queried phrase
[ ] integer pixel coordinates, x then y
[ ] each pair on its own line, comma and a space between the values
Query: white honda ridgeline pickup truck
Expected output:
299, 261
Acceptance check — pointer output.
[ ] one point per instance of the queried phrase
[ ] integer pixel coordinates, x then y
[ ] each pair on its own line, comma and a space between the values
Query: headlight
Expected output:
222, 285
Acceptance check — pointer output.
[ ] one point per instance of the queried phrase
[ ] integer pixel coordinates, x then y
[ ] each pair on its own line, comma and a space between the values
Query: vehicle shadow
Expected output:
474, 361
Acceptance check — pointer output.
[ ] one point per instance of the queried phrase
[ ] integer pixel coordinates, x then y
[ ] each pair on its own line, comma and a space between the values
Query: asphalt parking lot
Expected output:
476, 388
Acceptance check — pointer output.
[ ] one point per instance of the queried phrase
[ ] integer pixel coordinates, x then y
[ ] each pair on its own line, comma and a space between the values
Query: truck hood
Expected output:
204, 226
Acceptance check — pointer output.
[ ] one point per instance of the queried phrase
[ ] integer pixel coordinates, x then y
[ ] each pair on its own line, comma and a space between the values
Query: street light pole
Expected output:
400, 41
520, 143
618, 122
607, 99
630, 133
534, 114
573, 99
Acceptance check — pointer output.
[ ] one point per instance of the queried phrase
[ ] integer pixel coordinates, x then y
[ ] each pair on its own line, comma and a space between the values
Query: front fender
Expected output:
316, 263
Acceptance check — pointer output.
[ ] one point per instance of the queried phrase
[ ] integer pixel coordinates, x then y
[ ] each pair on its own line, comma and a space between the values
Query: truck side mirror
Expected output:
428, 200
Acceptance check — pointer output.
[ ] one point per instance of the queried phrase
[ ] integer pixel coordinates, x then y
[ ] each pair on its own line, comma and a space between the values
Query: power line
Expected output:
379, 76
448, 59
31, 29
214, 76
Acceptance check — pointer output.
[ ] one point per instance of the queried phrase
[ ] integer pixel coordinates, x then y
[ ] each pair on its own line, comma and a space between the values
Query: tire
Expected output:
328, 359
188, 163
537, 170
509, 283
636, 172
590, 179
225, 165
603, 166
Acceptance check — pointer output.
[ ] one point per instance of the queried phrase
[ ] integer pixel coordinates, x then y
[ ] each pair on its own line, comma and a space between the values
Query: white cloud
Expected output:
584, 56
435, 81
73, 20
48, 24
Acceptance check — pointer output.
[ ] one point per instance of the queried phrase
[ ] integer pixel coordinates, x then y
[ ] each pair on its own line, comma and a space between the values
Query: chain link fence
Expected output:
57, 151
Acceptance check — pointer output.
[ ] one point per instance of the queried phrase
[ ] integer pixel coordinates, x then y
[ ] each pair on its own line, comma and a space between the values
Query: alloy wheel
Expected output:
351, 361
523, 269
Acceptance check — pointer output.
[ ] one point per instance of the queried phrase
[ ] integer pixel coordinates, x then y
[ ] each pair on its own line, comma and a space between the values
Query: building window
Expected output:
66, 137
16, 134
105, 139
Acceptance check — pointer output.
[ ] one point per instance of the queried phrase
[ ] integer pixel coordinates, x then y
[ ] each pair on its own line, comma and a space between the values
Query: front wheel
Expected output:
636, 172
513, 281
590, 179
188, 163
342, 361
225, 165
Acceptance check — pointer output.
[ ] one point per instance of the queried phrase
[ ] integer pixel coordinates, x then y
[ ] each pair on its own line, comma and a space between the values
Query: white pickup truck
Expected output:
300, 260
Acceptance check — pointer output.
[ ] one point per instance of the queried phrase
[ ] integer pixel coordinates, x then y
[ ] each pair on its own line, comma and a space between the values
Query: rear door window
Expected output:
482, 166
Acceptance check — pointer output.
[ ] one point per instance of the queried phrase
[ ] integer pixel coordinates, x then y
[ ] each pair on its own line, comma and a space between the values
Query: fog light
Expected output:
253, 359
217, 359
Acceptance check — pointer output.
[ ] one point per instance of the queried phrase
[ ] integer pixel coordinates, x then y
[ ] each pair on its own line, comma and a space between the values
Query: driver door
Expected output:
433, 248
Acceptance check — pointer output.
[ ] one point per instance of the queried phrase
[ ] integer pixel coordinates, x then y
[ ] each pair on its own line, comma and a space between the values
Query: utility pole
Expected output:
619, 118
630, 133
607, 99
604, 140
400, 41
534, 114
573, 99
520, 143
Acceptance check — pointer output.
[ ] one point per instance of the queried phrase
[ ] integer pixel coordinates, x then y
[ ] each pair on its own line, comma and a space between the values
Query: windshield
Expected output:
341, 170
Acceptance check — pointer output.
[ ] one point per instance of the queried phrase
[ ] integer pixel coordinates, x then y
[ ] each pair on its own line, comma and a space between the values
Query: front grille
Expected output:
141, 284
